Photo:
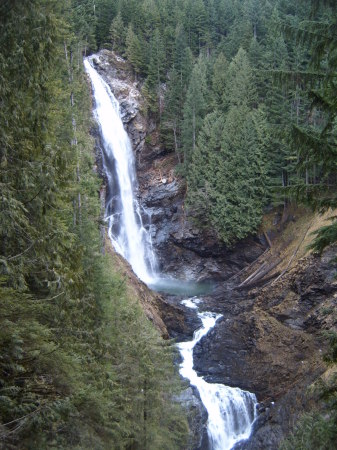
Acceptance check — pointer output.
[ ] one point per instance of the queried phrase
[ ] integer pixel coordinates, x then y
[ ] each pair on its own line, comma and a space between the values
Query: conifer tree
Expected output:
195, 22
195, 109
135, 51
315, 139
176, 93
118, 34
105, 11
240, 86
228, 167
69, 330
156, 73
219, 80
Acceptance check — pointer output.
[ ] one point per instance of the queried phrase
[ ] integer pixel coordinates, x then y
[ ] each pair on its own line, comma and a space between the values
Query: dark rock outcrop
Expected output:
197, 419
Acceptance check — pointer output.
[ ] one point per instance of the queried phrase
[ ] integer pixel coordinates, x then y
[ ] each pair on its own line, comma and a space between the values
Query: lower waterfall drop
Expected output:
231, 411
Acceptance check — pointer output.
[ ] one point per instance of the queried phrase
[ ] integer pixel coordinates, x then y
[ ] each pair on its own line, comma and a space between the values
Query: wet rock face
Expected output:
117, 73
197, 419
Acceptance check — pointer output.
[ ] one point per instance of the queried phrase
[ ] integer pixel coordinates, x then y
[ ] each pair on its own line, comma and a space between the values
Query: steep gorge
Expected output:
268, 340
181, 247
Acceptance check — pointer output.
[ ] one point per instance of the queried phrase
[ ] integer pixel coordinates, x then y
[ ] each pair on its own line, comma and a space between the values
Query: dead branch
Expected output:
268, 239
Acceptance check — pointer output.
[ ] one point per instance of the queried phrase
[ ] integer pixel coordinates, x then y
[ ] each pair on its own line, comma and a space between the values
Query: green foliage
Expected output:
314, 138
83, 20
155, 72
325, 236
105, 11
228, 169
117, 34
80, 365
318, 430
195, 108
176, 93
313, 432
331, 355
219, 80
135, 51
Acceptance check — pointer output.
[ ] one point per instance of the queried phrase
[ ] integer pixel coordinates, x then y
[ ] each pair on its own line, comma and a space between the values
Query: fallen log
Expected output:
294, 254
259, 276
248, 267
253, 274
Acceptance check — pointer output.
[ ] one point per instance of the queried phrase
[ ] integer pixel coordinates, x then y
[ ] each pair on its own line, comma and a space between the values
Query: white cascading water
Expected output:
231, 411
125, 226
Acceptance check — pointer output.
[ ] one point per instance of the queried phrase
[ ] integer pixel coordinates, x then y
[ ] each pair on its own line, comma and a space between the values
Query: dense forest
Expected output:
80, 365
244, 92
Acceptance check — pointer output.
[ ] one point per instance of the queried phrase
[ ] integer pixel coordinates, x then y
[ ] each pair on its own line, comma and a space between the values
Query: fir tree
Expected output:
219, 80
135, 51
195, 109
155, 73
118, 34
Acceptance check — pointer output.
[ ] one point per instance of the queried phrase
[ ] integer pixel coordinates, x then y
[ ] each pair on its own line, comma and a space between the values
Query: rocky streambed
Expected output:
269, 339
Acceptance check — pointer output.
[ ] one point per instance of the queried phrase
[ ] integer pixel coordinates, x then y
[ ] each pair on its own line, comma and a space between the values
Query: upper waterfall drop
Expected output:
126, 230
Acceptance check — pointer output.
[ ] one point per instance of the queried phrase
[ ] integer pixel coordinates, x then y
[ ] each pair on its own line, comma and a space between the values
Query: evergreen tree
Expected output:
228, 169
105, 11
195, 21
83, 21
315, 138
201, 179
118, 34
156, 73
135, 51
219, 78
241, 175
195, 109
240, 86
176, 93
80, 365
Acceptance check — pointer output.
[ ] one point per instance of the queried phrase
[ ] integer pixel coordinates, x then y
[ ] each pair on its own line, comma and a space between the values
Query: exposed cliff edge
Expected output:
269, 339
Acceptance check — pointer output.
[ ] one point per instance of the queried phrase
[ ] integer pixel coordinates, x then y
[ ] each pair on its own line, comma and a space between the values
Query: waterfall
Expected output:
231, 411
125, 227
